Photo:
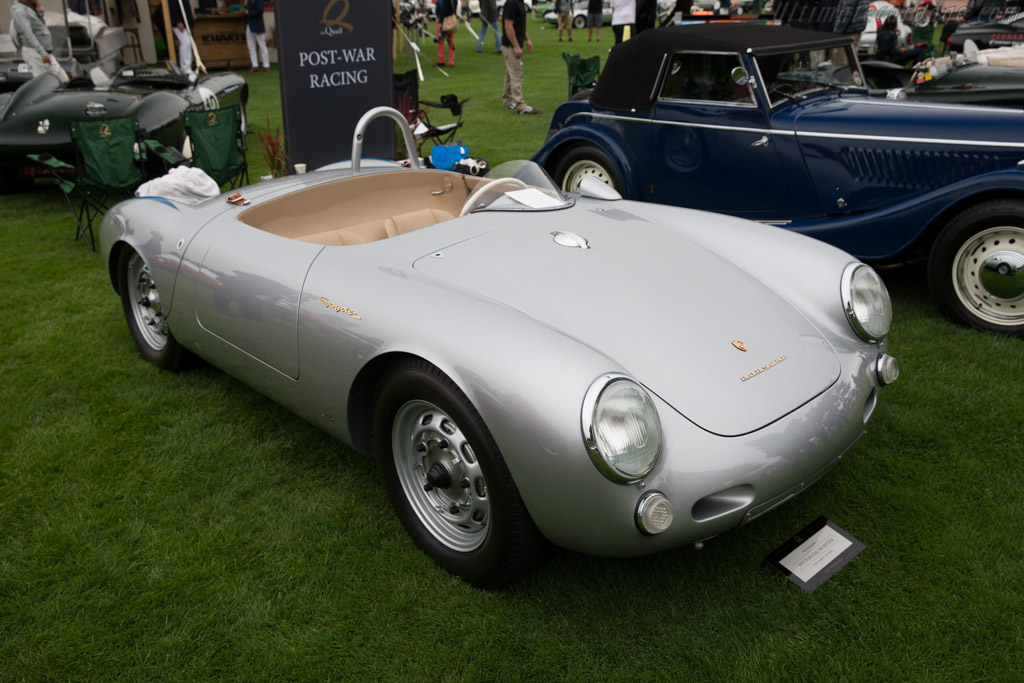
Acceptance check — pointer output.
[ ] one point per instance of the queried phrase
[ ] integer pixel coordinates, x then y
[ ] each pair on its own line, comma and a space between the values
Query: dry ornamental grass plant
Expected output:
273, 150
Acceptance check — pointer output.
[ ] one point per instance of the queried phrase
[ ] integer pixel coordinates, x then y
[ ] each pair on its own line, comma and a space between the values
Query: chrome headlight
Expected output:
866, 302
621, 428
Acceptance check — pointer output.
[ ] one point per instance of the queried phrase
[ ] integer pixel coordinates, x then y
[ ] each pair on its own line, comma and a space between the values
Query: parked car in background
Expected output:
877, 13
1008, 31
35, 118
948, 79
579, 14
532, 414
775, 124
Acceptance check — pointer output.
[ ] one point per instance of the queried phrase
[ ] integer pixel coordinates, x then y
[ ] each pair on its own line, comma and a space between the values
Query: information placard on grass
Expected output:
815, 554
335, 64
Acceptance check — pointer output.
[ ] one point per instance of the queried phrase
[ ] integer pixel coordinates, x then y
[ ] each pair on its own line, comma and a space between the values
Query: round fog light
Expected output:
888, 369
653, 513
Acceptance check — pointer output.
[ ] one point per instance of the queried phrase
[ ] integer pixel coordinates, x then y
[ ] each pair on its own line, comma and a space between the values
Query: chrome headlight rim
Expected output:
858, 320
588, 424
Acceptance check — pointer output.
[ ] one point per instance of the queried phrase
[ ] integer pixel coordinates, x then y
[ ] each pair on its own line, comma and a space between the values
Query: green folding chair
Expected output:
582, 72
218, 144
110, 159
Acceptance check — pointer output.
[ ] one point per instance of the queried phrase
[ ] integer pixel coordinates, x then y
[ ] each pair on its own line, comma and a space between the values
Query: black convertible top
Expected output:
631, 74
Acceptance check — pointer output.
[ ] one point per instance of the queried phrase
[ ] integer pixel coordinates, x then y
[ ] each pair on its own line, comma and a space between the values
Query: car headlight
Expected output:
866, 302
621, 428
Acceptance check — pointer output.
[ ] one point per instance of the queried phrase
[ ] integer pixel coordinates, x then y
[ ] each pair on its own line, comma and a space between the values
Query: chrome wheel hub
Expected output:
575, 174
144, 300
988, 275
440, 475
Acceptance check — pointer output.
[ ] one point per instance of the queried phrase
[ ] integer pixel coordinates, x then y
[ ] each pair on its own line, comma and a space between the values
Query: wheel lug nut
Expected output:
454, 509
421, 447
464, 483
443, 444
428, 487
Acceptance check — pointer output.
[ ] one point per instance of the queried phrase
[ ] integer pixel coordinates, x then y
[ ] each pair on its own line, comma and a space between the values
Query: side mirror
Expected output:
593, 188
739, 76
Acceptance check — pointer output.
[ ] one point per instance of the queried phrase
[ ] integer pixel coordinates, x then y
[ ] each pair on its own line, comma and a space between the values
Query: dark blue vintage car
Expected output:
775, 124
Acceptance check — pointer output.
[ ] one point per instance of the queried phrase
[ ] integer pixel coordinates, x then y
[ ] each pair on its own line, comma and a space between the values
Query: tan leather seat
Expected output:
414, 220
371, 231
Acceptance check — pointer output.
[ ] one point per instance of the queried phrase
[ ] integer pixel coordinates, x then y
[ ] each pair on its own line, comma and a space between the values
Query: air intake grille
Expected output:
914, 169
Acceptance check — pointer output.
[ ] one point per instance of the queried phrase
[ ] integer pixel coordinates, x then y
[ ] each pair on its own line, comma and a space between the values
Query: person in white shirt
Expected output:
623, 15
29, 33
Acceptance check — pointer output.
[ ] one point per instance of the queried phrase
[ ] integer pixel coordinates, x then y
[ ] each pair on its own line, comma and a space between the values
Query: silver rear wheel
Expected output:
584, 168
143, 301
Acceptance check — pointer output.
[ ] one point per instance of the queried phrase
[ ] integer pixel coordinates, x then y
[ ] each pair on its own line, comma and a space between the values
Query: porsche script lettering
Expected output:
767, 366
335, 307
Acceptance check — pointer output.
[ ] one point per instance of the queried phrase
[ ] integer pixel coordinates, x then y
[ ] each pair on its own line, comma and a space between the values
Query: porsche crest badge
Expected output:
739, 345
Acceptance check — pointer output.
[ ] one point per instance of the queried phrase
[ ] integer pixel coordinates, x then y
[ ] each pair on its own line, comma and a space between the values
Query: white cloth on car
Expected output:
182, 184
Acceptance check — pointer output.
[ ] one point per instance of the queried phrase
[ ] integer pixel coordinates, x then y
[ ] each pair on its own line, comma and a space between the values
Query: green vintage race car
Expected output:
953, 81
35, 118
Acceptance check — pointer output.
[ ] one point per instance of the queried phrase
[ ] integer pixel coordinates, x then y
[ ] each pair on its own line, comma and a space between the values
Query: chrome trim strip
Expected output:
776, 131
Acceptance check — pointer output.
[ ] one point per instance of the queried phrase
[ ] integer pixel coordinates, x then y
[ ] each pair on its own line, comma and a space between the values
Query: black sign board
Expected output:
335, 62
815, 554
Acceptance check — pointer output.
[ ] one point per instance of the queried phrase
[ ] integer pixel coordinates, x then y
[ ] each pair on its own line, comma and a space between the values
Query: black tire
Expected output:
582, 161
143, 312
424, 425
976, 267
579, 22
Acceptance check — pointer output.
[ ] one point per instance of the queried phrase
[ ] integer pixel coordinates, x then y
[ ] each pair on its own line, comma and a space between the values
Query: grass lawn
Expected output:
182, 527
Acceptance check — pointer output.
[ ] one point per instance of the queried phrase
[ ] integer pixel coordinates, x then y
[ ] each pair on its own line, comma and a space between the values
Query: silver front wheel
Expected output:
440, 475
989, 274
976, 267
447, 479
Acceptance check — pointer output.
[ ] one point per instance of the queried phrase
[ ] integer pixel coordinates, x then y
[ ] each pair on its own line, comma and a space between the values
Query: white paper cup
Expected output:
300, 168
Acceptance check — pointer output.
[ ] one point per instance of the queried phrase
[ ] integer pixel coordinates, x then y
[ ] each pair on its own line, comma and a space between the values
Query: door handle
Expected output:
763, 142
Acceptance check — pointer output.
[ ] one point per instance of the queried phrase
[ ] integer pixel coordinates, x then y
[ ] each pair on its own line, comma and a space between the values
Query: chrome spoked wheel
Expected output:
440, 476
988, 275
584, 168
143, 302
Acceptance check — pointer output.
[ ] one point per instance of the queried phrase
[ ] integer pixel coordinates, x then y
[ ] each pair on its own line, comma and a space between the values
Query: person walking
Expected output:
489, 20
594, 18
623, 17
256, 35
515, 37
445, 8
181, 25
564, 10
29, 33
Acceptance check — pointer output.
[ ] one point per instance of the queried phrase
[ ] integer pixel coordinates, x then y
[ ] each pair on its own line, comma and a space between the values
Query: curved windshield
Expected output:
790, 75
517, 186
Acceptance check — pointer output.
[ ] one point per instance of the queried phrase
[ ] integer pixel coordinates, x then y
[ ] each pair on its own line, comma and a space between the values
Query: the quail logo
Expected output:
334, 18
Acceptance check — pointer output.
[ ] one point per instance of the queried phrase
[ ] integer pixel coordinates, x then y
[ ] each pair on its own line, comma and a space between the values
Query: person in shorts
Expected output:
564, 10
594, 18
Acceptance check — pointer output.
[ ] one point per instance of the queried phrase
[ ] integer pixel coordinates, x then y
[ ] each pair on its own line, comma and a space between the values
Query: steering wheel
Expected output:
468, 206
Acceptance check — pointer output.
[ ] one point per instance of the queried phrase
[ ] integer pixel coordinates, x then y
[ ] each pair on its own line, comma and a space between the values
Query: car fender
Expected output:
605, 139
886, 233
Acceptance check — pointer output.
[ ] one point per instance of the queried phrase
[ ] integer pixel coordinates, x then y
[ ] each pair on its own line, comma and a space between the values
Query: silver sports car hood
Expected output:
715, 343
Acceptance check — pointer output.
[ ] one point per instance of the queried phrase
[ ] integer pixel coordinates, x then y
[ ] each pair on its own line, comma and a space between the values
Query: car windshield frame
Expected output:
806, 71
528, 188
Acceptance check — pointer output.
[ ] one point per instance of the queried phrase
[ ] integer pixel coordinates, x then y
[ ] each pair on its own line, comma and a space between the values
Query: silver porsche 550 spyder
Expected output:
526, 366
